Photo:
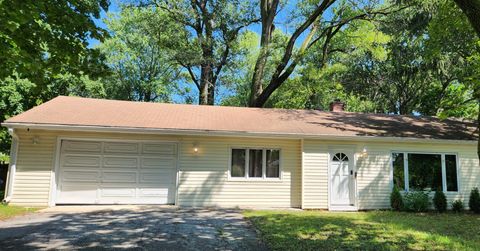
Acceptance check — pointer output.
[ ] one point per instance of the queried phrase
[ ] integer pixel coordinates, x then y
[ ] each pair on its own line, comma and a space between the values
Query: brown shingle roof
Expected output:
74, 111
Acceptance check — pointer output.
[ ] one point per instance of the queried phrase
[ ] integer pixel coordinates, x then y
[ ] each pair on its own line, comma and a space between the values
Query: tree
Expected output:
471, 9
204, 43
136, 54
42, 44
320, 23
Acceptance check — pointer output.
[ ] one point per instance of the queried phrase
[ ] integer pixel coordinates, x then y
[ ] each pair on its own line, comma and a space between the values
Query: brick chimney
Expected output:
337, 106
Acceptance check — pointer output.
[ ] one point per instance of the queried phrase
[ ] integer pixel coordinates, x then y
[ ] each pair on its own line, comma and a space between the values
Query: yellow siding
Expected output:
202, 179
374, 171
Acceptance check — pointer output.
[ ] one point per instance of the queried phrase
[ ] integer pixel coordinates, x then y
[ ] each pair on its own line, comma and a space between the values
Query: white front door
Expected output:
342, 180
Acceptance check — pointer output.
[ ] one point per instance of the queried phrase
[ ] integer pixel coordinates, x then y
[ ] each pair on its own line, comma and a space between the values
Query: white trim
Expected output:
194, 132
12, 166
302, 175
177, 180
264, 177
54, 179
443, 168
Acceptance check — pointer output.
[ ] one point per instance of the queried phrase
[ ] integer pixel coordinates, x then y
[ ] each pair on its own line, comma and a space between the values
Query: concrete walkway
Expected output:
129, 227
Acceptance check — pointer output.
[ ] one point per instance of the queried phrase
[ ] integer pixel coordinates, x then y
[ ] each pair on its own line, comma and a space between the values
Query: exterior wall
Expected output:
374, 180
203, 176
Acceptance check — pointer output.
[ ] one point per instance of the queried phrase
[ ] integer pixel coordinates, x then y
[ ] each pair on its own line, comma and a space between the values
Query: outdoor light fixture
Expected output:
364, 151
195, 147
35, 140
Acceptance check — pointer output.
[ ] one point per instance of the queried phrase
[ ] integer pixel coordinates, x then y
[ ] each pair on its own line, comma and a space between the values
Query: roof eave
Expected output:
189, 132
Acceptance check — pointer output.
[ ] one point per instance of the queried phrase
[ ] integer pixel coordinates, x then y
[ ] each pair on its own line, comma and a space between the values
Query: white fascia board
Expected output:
219, 133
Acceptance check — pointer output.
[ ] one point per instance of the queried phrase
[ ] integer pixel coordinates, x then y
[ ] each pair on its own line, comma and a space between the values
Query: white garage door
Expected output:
107, 172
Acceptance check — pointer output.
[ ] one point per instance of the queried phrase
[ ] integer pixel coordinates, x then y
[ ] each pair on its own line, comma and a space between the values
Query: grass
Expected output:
11, 211
374, 230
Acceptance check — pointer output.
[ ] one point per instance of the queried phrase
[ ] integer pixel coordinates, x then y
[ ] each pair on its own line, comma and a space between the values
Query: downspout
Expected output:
12, 167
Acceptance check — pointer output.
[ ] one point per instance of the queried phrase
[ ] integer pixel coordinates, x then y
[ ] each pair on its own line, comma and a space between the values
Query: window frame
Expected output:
443, 165
247, 164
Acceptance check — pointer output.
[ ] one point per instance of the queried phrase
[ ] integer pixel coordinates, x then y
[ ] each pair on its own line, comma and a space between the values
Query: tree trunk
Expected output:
471, 9
268, 12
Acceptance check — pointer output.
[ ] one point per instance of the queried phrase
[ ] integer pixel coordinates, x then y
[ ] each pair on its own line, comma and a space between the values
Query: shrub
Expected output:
457, 206
416, 201
396, 200
440, 201
474, 202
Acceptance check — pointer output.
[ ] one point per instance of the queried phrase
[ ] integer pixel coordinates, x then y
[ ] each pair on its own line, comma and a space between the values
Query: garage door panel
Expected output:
149, 192
70, 160
159, 148
119, 191
82, 146
116, 147
119, 177
82, 176
157, 177
165, 163
78, 194
96, 172
120, 162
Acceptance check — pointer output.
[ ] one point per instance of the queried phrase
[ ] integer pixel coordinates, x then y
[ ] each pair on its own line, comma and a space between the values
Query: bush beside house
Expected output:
419, 201
474, 202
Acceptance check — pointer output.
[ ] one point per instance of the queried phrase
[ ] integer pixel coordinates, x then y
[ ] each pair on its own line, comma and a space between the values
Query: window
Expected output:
273, 163
398, 171
451, 172
238, 163
255, 163
425, 172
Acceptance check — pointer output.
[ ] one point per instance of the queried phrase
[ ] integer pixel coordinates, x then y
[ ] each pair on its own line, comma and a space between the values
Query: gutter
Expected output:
11, 167
220, 133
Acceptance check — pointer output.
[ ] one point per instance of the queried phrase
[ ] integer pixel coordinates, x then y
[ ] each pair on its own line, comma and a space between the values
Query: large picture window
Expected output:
255, 163
425, 172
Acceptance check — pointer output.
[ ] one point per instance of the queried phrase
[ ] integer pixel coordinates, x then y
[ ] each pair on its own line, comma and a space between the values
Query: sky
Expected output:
282, 19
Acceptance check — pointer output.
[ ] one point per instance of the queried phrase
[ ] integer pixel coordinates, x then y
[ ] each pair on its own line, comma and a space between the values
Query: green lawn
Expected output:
10, 211
375, 230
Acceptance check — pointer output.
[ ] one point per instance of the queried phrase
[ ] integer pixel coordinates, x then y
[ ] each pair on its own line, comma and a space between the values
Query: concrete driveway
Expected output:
129, 227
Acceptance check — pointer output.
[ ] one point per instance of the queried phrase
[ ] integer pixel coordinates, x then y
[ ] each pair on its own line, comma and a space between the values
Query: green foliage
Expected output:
457, 206
139, 57
4, 158
396, 200
440, 201
416, 201
44, 53
474, 201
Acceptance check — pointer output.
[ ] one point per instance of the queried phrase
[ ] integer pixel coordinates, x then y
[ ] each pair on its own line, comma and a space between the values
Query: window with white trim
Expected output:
255, 163
425, 171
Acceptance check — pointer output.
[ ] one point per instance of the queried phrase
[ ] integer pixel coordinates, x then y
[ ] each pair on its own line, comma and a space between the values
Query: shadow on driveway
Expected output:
130, 227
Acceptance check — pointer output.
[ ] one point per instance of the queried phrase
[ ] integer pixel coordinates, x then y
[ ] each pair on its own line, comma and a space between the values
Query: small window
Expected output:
238, 163
451, 172
273, 163
255, 163
398, 171
340, 157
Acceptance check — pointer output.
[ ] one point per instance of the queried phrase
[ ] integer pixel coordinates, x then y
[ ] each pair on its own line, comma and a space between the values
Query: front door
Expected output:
342, 180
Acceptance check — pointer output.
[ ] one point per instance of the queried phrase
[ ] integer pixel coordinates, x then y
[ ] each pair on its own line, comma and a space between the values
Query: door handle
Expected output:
351, 172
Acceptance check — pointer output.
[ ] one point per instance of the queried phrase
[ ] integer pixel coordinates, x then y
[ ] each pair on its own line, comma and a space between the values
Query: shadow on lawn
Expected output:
369, 231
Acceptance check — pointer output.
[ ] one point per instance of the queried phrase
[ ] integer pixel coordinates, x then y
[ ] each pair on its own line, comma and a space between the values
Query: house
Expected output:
74, 150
